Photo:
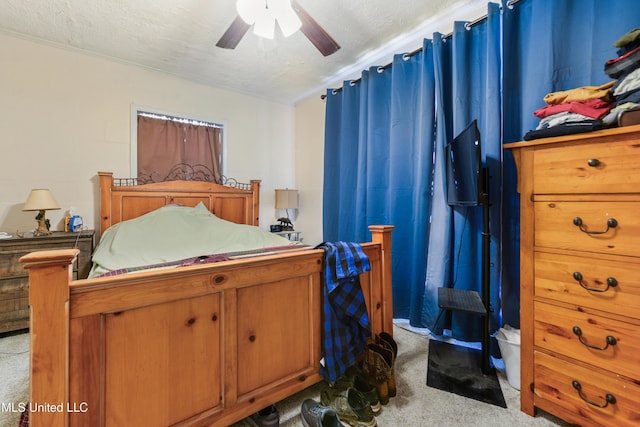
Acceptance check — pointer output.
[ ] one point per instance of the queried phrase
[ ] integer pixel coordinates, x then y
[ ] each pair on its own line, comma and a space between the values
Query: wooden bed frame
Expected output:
190, 346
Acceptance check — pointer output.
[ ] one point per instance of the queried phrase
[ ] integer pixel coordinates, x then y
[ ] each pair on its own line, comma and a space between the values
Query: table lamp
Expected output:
286, 199
41, 200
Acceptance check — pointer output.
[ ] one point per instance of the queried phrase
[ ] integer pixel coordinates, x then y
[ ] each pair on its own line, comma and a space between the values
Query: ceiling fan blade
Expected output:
314, 32
234, 34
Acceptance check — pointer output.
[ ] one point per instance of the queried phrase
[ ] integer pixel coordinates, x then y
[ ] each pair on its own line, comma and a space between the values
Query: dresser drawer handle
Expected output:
609, 398
593, 163
610, 340
611, 283
611, 223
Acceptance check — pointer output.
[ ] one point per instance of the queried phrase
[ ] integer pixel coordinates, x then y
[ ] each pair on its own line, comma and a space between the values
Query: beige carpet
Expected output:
415, 406
14, 374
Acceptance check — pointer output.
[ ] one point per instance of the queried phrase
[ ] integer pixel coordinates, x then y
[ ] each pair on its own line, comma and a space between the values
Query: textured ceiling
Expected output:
178, 37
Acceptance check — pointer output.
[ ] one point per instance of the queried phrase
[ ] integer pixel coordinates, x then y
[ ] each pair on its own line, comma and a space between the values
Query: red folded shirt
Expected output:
621, 57
594, 108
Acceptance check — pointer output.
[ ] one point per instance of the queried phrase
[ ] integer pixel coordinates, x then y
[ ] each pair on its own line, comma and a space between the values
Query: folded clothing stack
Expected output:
589, 108
573, 111
626, 91
628, 55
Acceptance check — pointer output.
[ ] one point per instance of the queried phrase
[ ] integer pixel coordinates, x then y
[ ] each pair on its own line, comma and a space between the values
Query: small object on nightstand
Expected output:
285, 224
75, 223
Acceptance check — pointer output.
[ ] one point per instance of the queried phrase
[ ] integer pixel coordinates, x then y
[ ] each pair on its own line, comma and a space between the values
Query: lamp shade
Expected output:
286, 199
40, 200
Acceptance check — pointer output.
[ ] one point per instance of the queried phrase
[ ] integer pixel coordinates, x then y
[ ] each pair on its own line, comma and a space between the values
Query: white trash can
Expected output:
509, 343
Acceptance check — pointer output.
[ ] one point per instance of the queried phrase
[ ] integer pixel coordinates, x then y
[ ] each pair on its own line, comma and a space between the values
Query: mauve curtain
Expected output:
169, 149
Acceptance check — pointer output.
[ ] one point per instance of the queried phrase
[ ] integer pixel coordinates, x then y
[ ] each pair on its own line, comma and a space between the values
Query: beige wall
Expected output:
309, 159
66, 115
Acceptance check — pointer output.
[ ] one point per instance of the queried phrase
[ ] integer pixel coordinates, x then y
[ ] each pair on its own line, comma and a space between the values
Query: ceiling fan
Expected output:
264, 27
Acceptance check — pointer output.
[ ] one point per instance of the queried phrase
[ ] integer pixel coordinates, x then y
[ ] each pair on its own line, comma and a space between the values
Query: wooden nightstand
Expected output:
14, 279
294, 236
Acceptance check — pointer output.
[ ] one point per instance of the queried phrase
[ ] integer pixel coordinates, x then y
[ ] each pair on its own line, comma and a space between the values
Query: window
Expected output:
169, 146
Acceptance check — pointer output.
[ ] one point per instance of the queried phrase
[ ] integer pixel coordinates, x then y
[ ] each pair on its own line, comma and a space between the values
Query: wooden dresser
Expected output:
580, 276
14, 280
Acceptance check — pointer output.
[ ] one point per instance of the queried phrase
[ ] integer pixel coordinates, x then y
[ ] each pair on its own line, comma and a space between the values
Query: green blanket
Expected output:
173, 233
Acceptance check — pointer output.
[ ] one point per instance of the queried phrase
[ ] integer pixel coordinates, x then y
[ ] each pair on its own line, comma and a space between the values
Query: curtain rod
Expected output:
408, 55
179, 119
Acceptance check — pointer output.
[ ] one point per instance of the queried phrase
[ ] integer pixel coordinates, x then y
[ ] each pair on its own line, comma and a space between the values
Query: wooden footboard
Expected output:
192, 346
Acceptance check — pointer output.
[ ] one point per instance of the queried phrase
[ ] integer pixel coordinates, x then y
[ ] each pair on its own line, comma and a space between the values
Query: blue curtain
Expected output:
557, 45
469, 87
385, 135
548, 46
379, 137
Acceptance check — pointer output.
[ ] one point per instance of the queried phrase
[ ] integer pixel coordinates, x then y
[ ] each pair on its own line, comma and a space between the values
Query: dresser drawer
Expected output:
587, 168
572, 332
555, 226
555, 383
611, 284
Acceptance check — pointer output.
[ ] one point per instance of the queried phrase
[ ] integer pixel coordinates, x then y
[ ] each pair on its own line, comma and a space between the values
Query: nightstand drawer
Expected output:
594, 226
14, 302
594, 168
611, 284
9, 259
579, 390
608, 344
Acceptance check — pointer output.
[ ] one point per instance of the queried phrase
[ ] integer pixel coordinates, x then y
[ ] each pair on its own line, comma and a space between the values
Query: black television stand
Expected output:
472, 302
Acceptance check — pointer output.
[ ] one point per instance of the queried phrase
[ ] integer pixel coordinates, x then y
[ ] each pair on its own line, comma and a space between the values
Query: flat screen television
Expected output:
464, 168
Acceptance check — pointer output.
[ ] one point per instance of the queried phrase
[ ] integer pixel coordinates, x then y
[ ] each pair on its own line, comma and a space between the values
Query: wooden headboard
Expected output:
123, 199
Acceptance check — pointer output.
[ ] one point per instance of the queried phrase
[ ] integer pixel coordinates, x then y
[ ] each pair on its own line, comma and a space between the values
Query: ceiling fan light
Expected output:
249, 10
289, 22
285, 15
265, 25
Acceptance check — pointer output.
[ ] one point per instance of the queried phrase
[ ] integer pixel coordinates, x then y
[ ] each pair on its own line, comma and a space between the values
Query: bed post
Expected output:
49, 275
255, 188
106, 182
382, 234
